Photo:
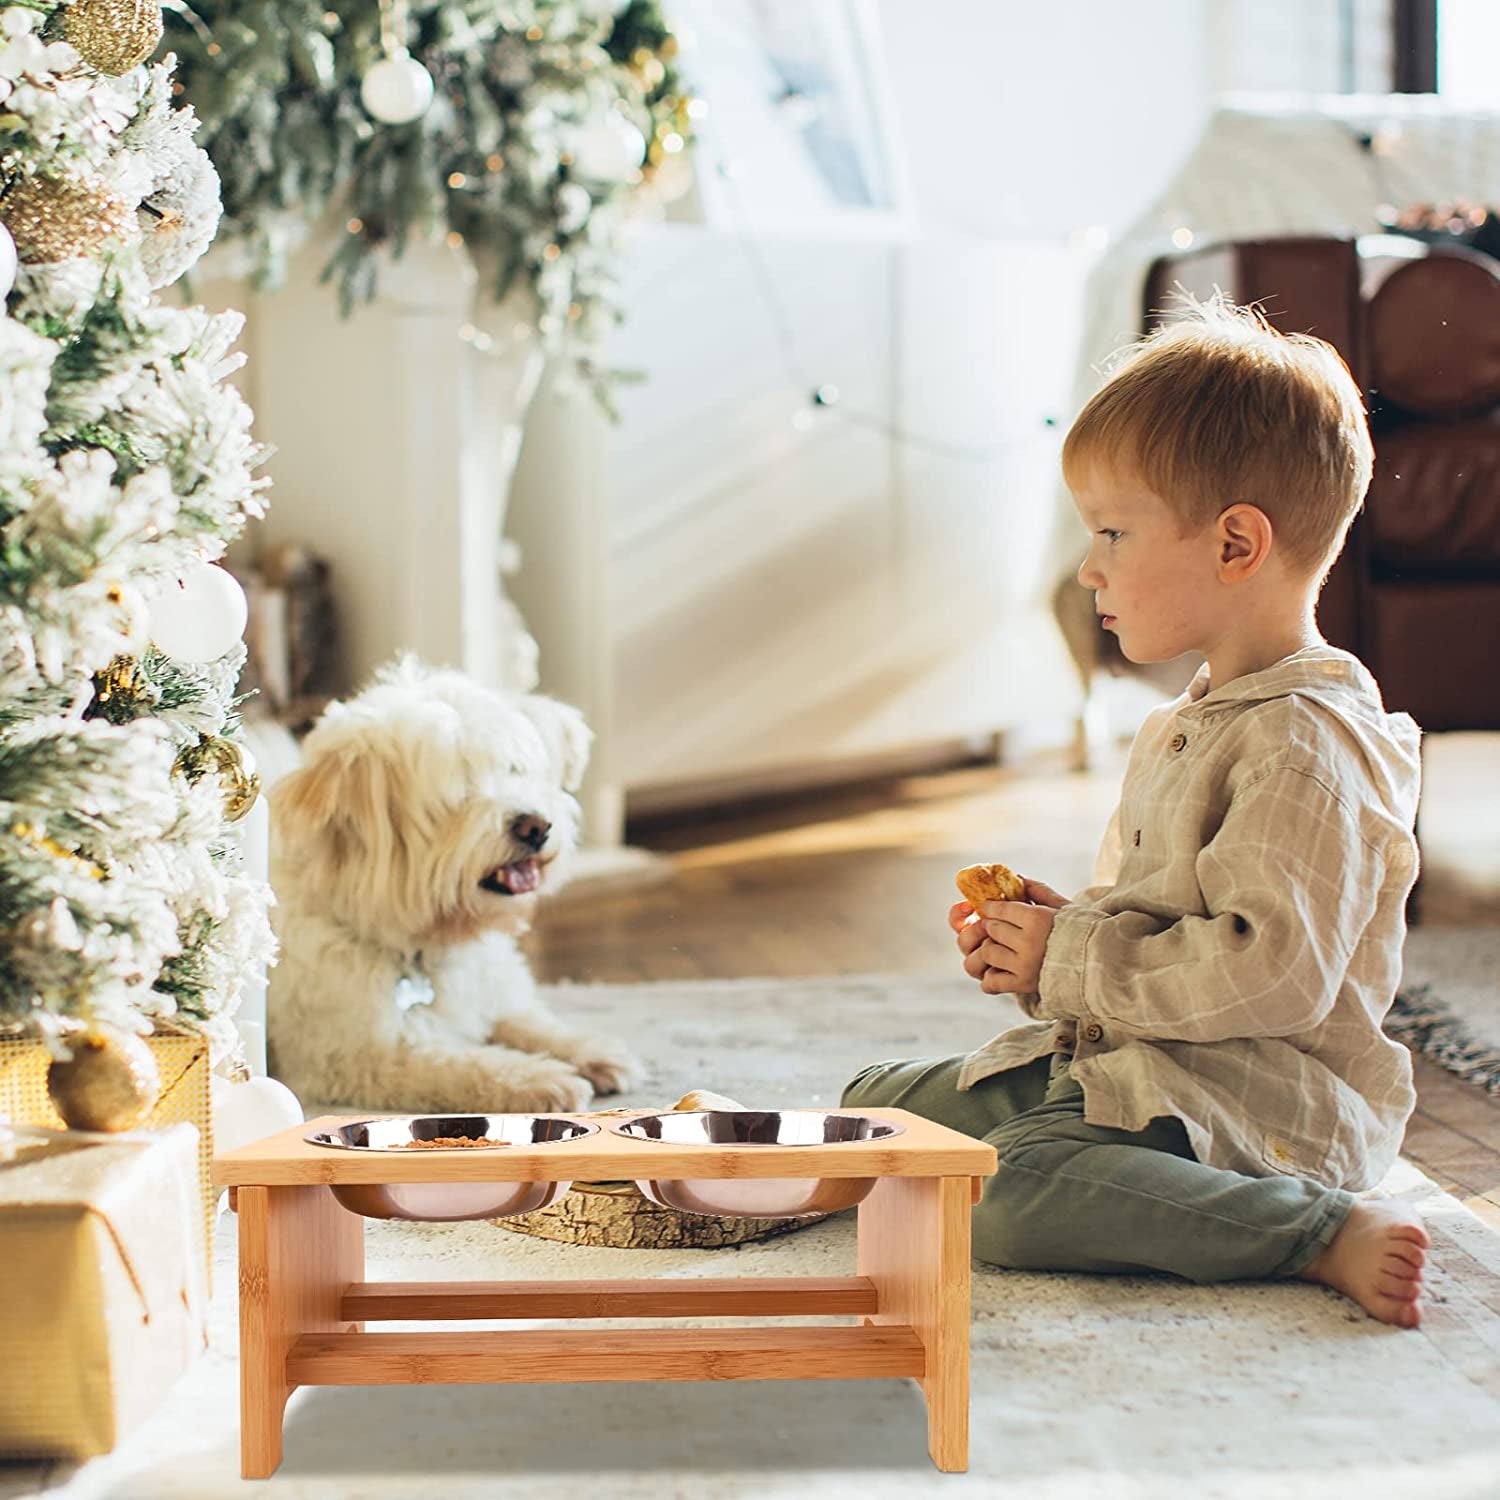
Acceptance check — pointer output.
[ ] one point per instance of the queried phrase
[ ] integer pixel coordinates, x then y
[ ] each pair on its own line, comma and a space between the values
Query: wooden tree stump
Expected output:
620, 1215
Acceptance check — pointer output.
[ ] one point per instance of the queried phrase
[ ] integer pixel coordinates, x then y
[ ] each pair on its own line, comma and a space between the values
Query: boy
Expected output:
1205, 1085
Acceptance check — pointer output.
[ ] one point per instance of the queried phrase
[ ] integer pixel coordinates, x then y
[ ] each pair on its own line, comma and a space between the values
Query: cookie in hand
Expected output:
978, 883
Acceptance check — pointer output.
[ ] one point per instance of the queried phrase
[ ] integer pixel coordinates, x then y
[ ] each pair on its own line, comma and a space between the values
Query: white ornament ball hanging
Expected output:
574, 205
608, 150
251, 1110
198, 615
7, 262
396, 90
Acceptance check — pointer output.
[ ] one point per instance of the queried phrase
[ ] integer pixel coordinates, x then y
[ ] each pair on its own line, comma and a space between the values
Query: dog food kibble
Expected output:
443, 1142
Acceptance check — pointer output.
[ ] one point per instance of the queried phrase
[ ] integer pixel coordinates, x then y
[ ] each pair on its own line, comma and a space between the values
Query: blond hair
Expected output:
1216, 408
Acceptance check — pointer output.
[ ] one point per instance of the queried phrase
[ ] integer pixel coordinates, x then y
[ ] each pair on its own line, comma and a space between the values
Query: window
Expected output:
1468, 44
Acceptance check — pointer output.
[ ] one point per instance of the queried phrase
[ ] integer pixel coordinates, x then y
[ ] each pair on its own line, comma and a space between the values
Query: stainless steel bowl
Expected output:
756, 1197
446, 1201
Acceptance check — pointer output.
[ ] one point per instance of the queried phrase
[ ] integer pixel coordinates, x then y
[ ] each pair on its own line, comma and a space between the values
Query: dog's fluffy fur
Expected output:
413, 842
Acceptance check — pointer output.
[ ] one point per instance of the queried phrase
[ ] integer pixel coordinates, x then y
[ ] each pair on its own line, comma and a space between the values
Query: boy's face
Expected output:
1157, 589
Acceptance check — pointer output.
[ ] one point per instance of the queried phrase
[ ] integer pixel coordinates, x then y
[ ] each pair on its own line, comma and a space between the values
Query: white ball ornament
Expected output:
396, 90
7, 262
251, 1110
198, 615
608, 150
574, 205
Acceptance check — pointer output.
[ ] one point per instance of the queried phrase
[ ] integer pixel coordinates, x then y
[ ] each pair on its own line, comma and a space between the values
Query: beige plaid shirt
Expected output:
1234, 964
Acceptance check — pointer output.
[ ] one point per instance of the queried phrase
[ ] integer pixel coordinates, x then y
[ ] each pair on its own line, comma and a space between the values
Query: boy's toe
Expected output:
1402, 1288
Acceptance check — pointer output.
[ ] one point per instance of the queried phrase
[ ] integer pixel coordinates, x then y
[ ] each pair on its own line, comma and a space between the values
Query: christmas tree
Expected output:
524, 130
127, 464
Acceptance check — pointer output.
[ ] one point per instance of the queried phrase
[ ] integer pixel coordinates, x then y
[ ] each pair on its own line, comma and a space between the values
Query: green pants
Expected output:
1069, 1196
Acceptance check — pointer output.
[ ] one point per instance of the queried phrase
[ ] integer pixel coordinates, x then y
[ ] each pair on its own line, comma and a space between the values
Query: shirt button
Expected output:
1093, 1032
1179, 741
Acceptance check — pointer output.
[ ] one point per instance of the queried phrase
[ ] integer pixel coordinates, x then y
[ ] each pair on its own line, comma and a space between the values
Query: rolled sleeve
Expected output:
1288, 886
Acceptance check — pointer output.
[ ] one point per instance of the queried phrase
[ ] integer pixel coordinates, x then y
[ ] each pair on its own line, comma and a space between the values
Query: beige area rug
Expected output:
1084, 1388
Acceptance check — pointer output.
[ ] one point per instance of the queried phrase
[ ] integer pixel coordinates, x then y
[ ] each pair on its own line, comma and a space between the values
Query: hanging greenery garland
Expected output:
520, 129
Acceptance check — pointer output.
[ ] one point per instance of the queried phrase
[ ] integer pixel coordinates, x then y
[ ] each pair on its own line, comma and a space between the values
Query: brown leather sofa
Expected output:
1416, 593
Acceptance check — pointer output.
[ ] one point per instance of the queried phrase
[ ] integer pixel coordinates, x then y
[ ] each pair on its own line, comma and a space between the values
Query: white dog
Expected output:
408, 854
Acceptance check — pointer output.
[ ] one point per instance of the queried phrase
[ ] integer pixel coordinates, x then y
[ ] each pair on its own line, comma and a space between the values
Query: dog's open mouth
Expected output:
514, 879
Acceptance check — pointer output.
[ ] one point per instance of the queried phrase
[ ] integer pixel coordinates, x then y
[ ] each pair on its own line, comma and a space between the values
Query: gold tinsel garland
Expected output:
113, 36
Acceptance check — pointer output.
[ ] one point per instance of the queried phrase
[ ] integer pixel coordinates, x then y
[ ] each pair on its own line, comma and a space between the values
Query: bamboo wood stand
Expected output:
304, 1302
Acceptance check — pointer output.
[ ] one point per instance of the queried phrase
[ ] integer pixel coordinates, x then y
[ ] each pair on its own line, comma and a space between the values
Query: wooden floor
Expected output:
860, 880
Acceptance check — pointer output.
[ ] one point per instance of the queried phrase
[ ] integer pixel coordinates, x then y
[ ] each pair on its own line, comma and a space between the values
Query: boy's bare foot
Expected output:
1376, 1258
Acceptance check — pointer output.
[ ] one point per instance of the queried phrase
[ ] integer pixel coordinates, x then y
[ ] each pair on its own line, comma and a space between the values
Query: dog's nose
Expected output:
531, 830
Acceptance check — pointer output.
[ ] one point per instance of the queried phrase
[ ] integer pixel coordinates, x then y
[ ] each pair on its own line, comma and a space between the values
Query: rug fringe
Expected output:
1418, 1018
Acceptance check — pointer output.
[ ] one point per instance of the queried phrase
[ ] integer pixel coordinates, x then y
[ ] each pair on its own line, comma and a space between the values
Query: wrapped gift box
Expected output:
102, 1301
182, 1060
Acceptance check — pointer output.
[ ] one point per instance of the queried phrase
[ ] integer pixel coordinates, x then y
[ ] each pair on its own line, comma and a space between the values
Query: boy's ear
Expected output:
1244, 536
566, 735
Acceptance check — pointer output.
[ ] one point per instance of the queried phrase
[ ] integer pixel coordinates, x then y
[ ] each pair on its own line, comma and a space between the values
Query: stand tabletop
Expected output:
923, 1149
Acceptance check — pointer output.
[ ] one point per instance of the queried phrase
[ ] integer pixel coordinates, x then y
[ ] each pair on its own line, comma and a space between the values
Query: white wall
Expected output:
1037, 119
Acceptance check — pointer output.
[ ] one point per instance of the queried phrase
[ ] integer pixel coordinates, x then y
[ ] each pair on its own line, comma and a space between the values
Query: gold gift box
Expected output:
181, 1059
103, 1296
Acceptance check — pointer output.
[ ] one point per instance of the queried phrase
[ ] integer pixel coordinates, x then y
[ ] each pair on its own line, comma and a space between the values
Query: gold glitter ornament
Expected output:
113, 36
63, 218
110, 1083
232, 763
122, 678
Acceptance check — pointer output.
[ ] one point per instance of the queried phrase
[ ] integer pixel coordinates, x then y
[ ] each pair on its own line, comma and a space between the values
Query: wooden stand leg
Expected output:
299, 1251
914, 1245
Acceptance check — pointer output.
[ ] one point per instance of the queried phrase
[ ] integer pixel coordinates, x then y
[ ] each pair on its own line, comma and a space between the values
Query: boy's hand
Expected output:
1004, 942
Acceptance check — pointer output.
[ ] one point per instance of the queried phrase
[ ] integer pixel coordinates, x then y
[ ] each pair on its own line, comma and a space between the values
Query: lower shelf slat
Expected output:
699, 1297
550, 1354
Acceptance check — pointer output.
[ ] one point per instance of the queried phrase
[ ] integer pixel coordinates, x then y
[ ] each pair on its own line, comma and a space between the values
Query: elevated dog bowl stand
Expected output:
304, 1302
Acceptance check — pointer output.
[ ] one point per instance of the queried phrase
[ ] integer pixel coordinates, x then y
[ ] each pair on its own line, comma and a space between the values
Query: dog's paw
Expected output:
610, 1067
547, 1086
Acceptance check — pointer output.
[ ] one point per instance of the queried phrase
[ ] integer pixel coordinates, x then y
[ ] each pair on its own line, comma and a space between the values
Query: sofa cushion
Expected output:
1434, 500
1434, 334
1432, 650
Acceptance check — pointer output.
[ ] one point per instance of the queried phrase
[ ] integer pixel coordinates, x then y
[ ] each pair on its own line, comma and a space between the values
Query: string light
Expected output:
824, 400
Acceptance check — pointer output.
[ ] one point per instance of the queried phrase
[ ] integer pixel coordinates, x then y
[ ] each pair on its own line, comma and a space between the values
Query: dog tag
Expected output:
412, 990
